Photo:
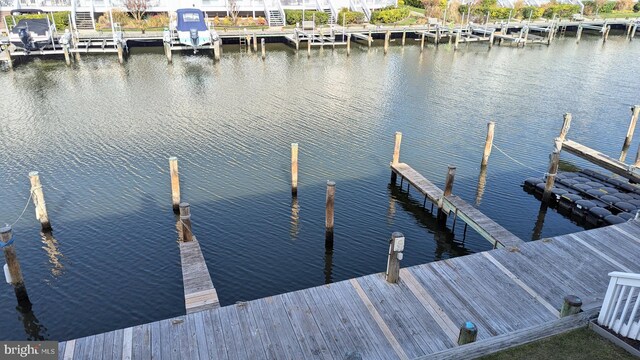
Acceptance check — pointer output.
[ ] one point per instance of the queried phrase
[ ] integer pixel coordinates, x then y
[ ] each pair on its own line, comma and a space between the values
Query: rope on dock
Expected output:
25, 207
518, 162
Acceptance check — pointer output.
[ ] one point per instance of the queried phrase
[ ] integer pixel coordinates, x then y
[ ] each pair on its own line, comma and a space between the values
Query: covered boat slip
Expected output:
510, 295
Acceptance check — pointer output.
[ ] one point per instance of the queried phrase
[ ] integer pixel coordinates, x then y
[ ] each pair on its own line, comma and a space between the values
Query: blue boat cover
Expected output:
191, 19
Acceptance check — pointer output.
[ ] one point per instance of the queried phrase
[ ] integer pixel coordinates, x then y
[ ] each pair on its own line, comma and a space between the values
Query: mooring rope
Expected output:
518, 162
25, 207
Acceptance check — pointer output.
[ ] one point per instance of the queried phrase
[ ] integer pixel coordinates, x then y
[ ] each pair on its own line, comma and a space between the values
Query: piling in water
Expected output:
175, 183
38, 201
329, 208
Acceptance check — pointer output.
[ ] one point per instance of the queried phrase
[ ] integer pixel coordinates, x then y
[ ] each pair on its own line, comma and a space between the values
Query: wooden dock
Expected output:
602, 160
512, 296
199, 293
497, 235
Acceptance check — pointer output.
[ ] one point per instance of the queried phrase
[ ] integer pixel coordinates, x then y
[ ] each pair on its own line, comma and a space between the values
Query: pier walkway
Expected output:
511, 294
199, 293
487, 228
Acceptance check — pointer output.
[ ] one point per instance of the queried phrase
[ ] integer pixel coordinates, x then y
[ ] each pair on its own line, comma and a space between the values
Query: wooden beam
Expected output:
600, 159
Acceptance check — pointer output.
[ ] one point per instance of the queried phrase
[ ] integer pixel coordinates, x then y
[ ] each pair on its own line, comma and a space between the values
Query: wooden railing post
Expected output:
175, 183
329, 210
185, 220
38, 201
396, 247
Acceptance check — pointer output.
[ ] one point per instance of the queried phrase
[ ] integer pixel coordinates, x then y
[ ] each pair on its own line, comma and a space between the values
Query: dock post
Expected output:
571, 306
396, 156
309, 48
329, 207
175, 183
294, 169
348, 44
554, 162
255, 42
628, 26
9, 61
216, 50
168, 53
488, 144
387, 36
396, 247
448, 187
633, 32
38, 201
491, 38
422, 43
468, 333
185, 220
637, 162
404, 36
455, 45
369, 39
15, 273
635, 111
120, 53
437, 39
526, 36
263, 48
579, 33
67, 56
605, 33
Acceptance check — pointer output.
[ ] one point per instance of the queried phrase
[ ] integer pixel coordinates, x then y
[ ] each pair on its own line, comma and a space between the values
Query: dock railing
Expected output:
620, 306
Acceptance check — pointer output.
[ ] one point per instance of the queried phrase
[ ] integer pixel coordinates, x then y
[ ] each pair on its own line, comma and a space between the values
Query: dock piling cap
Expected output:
573, 300
470, 326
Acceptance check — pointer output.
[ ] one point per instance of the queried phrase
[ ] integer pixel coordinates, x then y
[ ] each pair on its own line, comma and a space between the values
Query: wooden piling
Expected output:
175, 183
422, 43
309, 48
491, 39
437, 39
628, 26
248, 41
11, 258
369, 39
605, 33
263, 48
348, 44
468, 333
554, 159
185, 220
216, 50
404, 36
635, 111
38, 201
396, 247
448, 185
9, 60
488, 144
329, 210
387, 36
396, 155
255, 43
633, 32
571, 306
579, 33
294, 169
120, 53
168, 53
637, 162
455, 45
67, 56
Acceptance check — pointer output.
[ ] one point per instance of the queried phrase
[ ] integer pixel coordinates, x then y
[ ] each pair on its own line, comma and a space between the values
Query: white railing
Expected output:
620, 306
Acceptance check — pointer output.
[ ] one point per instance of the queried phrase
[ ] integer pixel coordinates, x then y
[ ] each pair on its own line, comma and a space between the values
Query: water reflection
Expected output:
482, 182
537, 229
53, 252
34, 330
295, 218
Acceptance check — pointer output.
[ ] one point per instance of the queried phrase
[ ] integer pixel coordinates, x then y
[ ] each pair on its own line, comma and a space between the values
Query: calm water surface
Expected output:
100, 135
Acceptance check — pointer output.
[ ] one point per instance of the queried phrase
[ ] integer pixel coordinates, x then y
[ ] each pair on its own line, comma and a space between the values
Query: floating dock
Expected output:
512, 296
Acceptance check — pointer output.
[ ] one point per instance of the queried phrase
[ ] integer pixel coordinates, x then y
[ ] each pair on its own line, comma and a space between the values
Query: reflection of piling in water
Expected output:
537, 229
13, 267
295, 217
38, 201
482, 182
32, 327
328, 264
51, 247
391, 211
331, 194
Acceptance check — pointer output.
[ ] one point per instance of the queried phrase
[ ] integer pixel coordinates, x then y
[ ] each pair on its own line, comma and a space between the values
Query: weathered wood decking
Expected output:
487, 228
503, 291
600, 159
199, 293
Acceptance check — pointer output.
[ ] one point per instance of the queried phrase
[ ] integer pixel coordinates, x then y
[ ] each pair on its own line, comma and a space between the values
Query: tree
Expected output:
137, 8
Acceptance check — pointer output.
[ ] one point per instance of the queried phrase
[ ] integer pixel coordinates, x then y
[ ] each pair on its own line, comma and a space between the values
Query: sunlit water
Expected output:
100, 135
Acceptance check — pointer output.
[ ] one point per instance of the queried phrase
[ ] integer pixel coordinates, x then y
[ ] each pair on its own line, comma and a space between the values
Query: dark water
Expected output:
100, 135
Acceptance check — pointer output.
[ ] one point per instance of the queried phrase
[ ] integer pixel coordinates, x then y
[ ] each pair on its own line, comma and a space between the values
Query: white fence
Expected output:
620, 307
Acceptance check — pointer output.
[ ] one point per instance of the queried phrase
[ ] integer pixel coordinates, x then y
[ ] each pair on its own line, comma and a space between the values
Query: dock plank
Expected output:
199, 292
600, 159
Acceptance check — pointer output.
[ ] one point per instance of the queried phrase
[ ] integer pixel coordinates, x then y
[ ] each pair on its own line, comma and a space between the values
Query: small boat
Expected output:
192, 29
32, 34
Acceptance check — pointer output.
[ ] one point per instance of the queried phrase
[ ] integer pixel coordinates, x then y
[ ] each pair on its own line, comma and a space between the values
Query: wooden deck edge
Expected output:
610, 337
516, 338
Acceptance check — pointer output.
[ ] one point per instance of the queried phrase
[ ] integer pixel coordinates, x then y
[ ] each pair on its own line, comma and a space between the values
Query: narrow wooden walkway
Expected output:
199, 293
602, 160
487, 228
503, 291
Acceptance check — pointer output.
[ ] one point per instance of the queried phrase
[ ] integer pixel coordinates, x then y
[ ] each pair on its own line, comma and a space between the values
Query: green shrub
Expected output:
349, 17
389, 15
562, 10
61, 19
608, 7
636, 7
499, 13
295, 16
533, 12
414, 3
